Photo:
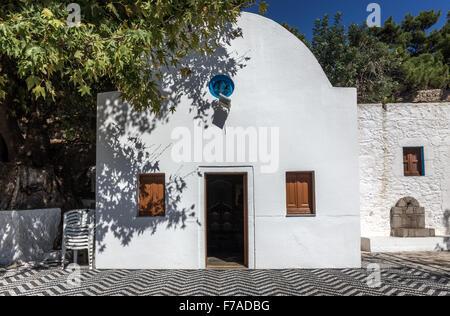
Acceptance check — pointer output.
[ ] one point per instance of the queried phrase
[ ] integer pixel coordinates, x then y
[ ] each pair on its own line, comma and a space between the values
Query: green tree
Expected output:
426, 71
419, 42
443, 41
297, 33
354, 57
50, 74
425, 52
383, 62
329, 45
373, 67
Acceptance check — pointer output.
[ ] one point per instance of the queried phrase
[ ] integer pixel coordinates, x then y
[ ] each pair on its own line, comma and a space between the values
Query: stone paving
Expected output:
411, 274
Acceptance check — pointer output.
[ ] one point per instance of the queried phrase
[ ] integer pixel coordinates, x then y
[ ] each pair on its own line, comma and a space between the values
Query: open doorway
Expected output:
226, 221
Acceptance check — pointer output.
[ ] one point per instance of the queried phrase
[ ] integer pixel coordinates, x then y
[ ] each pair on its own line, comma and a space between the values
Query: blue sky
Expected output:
302, 14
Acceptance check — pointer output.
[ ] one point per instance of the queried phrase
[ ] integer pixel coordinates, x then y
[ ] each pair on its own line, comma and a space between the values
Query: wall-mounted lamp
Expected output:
225, 102
221, 87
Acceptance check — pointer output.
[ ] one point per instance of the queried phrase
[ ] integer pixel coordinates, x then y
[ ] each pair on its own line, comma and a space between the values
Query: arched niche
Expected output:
408, 219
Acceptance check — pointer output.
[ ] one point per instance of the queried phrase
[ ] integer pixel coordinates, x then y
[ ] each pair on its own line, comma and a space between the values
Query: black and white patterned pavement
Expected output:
414, 274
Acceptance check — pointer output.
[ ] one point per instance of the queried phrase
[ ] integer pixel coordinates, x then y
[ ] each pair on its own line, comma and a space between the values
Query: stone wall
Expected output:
27, 236
384, 131
424, 96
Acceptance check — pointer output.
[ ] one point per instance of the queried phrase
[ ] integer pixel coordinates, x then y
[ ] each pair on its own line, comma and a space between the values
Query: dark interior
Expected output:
225, 219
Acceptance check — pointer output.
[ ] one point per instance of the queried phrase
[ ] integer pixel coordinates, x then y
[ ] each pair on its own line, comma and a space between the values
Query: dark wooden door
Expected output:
226, 218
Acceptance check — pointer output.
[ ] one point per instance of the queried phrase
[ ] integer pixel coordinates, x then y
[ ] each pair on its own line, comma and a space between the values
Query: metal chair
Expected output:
78, 234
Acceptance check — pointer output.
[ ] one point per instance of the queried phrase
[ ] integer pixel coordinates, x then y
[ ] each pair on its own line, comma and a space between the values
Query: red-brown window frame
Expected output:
419, 153
312, 190
140, 180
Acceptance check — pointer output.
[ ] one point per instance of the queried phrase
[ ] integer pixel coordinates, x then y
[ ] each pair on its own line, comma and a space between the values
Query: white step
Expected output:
393, 244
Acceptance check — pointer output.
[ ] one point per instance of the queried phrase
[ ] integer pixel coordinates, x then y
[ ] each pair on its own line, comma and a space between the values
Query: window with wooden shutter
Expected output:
152, 195
300, 193
413, 161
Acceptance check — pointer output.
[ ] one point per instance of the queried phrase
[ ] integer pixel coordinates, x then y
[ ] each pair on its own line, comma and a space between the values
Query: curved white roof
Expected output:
269, 45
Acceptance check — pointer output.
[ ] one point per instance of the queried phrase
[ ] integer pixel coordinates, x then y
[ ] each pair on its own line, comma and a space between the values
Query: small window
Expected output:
413, 161
300, 193
152, 201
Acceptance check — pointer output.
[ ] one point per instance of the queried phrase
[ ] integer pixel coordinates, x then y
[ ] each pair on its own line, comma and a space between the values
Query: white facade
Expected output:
383, 134
279, 86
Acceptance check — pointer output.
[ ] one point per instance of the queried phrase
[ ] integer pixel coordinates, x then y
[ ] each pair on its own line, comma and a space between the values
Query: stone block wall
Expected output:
408, 219
427, 96
384, 131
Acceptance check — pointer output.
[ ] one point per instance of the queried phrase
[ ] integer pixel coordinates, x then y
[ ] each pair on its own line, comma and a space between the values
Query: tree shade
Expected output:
51, 72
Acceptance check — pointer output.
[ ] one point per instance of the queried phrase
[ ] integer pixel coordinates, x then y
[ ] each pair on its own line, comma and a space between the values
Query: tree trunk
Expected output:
29, 180
24, 187
36, 174
37, 144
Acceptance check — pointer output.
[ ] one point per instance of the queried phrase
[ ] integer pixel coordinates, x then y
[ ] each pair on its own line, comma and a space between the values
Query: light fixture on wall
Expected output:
221, 87
225, 102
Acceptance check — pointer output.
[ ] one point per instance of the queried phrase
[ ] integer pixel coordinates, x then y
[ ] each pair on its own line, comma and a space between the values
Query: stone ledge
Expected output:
393, 244
427, 96
413, 232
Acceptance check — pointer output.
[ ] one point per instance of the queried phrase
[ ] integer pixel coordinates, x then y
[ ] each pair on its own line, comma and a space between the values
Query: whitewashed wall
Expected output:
279, 83
383, 134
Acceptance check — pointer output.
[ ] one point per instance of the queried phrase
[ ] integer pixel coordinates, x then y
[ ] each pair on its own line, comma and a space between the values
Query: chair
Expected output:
78, 234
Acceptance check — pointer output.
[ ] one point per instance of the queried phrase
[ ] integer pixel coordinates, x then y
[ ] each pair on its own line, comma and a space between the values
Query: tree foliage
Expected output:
426, 71
353, 57
374, 66
297, 33
383, 62
126, 42
50, 73
425, 52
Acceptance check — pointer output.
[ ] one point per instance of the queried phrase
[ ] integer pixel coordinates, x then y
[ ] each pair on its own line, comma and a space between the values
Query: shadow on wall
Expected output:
118, 190
447, 228
126, 155
174, 86
203, 68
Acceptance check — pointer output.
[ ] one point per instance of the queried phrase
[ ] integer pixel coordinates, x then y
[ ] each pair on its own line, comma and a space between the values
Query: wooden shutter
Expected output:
152, 201
412, 161
300, 193
291, 191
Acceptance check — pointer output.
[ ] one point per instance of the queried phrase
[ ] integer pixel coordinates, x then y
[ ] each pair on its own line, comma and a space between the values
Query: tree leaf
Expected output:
32, 81
47, 14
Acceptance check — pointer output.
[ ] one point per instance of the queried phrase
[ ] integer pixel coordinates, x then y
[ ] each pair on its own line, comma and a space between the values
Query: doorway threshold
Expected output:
219, 264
